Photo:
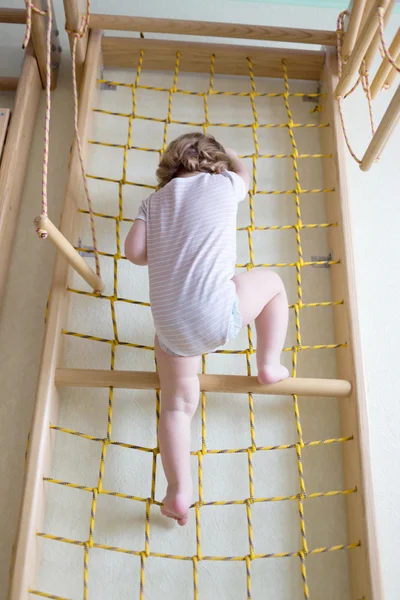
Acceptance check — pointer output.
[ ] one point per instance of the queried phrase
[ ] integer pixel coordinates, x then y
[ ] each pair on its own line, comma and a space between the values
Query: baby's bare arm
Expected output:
136, 243
238, 167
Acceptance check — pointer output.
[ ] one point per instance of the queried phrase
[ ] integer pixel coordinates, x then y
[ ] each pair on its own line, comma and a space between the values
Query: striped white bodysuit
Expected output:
191, 250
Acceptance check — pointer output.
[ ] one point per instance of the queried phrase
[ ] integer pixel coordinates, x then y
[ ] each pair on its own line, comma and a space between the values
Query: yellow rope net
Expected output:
145, 552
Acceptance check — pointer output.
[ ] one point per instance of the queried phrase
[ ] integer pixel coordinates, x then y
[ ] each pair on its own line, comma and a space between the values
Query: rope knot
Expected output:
79, 33
42, 234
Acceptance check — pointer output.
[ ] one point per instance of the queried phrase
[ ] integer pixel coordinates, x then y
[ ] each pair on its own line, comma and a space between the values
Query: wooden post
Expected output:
24, 570
68, 251
353, 27
73, 18
39, 33
364, 39
4, 120
364, 567
386, 69
370, 55
15, 158
383, 133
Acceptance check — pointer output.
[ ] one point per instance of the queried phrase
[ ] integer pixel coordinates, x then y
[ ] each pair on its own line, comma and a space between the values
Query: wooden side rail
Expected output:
39, 458
12, 171
233, 384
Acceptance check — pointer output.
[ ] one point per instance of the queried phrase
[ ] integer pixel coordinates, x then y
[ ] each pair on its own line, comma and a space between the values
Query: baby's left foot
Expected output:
272, 373
176, 504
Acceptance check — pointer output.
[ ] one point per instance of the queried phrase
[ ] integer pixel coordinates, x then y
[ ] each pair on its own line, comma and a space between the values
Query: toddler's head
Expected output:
192, 152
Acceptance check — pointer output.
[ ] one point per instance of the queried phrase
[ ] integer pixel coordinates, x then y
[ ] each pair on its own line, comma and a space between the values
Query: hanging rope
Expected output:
364, 75
363, 79
384, 47
77, 35
29, 9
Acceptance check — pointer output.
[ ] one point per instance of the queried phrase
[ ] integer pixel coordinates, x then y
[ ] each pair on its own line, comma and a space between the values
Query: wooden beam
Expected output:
195, 57
13, 169
365, 574
4, 121
17, 16
213, 29
364, 39
238, 384
73, 20
8, 84
39, 461
382, 134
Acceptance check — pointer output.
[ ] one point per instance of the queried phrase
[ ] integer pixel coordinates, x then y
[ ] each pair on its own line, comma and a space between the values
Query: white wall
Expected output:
375, 214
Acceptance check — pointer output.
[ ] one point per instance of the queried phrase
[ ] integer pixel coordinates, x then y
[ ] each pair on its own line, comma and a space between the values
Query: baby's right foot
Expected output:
272, 373
176, 504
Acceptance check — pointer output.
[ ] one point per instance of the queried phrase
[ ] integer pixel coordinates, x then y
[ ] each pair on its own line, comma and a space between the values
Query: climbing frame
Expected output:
55, 375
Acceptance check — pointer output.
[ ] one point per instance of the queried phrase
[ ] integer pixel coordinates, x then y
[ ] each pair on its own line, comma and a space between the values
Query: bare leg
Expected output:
180, 390
262, 297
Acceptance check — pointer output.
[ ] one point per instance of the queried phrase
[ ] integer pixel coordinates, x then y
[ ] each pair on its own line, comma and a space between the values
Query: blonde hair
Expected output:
192, 152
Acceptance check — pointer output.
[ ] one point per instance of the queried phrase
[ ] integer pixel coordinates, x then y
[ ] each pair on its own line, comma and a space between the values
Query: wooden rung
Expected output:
363, 42
372, 50
68, 251
212, 29
13, 15
233, 384
393, 73
8, 84
383, 133
381, 76
350, 37
4, 121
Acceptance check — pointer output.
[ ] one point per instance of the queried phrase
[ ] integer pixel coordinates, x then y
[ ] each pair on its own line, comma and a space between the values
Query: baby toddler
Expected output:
186, 233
